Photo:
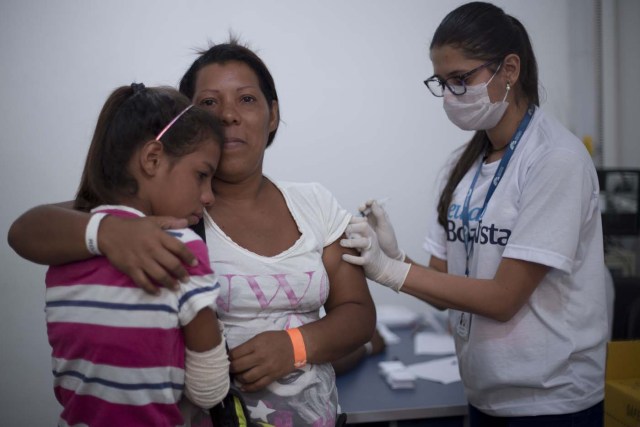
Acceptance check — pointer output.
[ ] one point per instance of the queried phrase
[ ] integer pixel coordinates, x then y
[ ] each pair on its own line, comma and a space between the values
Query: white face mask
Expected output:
473, 110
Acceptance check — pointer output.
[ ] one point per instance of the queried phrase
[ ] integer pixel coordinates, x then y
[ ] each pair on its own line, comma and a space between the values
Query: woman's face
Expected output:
451, 62
232, 92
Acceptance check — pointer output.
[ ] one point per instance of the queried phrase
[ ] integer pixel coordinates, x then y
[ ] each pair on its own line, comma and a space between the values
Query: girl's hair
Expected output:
131, 116
483, 31
232, 51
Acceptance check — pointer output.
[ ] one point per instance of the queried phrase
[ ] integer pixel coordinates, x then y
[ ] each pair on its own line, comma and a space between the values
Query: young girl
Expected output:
119, 353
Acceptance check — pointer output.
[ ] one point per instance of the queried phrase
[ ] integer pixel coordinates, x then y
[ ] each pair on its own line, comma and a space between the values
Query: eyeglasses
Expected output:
456, 84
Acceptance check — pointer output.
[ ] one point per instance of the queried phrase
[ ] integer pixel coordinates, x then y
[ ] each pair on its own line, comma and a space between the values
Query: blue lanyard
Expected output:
468, 241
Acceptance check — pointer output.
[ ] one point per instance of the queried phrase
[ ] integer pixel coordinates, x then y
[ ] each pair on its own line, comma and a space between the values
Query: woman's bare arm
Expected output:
349, 303
139, 247
349, 323
50, 234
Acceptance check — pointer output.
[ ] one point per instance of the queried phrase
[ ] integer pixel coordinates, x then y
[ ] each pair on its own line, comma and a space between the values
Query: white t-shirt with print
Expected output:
261, 293
549, 358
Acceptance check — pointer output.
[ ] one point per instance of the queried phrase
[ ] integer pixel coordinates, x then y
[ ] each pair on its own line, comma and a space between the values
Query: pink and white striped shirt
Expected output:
118, 352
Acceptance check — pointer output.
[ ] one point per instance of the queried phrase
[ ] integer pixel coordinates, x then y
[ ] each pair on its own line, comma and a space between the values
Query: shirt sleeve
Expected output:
334, 218
559, 194
203, 288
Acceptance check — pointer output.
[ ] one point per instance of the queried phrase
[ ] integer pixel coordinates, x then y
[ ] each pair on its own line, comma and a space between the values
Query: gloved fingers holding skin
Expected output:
357, 224
357, 242
358, 234
352, 259
378, 266
362, 237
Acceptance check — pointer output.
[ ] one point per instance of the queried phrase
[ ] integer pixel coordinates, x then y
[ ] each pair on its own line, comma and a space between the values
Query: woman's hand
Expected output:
377, 265
144, 251
262, 360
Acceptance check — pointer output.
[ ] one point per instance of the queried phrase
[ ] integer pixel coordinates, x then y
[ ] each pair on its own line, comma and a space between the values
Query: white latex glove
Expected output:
379, 221
377, 265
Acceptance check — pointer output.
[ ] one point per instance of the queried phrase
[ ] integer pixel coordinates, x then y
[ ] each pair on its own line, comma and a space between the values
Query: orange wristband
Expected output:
299, 349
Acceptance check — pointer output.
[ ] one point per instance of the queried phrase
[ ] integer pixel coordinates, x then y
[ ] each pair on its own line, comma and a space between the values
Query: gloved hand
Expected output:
379, 221
377, 265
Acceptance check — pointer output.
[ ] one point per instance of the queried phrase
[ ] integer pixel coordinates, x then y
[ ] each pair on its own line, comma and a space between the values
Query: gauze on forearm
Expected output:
206, 375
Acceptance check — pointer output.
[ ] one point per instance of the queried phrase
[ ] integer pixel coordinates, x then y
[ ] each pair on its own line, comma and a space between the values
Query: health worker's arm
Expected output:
499, 298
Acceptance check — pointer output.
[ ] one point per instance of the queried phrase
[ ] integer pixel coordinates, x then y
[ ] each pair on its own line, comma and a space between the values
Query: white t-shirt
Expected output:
261, 293
549, 358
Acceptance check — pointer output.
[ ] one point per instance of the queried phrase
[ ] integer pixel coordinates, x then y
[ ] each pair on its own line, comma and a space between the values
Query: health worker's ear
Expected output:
151, 157
511, 67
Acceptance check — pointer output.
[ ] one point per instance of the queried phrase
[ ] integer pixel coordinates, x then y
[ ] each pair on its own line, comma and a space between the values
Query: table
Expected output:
365, 397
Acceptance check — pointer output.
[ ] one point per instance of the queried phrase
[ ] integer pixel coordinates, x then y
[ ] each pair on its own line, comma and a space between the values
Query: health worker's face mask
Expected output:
473, 110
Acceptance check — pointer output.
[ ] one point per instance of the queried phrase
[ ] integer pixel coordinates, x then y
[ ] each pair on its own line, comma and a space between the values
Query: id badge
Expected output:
464, 326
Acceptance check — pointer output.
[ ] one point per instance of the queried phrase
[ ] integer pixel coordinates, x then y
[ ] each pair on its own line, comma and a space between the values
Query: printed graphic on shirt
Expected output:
249, 304
275, 290
488, 233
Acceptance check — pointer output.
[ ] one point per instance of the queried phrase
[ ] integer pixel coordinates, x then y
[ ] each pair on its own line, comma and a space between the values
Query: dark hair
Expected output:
131, 116
483, 31
232, 51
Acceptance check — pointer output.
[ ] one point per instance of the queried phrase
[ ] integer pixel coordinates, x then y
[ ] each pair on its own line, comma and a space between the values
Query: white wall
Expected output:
356, 116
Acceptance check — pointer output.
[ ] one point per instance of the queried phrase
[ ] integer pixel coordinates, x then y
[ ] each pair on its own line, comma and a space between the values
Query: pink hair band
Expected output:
175, 119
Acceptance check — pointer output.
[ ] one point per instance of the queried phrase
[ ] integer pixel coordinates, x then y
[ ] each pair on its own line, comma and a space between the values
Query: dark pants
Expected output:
590, 417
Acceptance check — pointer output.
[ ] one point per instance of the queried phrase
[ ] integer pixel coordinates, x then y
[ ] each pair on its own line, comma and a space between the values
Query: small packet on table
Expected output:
397, 375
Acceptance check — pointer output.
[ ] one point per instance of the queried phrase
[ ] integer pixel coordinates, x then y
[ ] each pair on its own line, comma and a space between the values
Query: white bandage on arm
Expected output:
206, 377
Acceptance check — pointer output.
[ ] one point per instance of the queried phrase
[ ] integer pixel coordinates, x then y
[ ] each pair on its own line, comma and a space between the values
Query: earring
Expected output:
508, 86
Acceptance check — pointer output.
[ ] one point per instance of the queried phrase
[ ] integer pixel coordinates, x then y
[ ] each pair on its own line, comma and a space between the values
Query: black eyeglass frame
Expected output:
461, 78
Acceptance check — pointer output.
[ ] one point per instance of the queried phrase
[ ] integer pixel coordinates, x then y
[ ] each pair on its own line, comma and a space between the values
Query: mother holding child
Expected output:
274, 247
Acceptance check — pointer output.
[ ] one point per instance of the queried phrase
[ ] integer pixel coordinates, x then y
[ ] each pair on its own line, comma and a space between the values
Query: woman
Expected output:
516, 242
274, 246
